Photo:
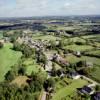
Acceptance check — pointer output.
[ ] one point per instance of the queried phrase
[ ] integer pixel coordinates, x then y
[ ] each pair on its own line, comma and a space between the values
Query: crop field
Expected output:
8, 58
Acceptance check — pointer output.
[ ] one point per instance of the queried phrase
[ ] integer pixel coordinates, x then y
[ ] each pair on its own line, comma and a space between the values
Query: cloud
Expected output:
82, 7
48, 7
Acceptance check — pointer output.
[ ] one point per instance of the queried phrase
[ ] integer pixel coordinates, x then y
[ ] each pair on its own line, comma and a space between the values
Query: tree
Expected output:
80, 64
97, 88
53, 69
10, 75
49, 83
1, 45
41, 58
25, 49
53, 44
61, 44
87, 71
17, 46
22, 70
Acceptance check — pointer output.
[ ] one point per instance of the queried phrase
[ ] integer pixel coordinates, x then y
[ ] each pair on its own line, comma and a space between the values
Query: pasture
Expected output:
8, 58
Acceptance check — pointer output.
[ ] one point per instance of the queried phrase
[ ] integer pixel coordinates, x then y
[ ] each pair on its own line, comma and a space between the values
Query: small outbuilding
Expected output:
74, 75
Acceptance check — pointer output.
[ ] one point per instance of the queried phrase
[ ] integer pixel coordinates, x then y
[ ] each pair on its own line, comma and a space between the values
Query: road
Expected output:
49, 62
43, 96
90, 80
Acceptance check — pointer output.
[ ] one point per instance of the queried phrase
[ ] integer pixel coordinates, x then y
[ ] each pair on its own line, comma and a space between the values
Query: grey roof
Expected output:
97, 96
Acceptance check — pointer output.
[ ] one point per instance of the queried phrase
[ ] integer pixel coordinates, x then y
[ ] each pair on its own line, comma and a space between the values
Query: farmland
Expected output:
8, 58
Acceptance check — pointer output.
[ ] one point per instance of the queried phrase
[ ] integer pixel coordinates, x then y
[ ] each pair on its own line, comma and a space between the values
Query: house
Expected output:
86, 90
63, 62
55, 56
60, 60
96, 96
74, 75
78, 53
2, 41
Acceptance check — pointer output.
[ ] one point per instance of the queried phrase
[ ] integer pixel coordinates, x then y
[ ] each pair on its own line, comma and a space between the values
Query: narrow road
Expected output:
90, 80
43, 96
49, 62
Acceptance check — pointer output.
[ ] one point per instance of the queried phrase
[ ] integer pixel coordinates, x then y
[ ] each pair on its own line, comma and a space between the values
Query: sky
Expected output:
27, 8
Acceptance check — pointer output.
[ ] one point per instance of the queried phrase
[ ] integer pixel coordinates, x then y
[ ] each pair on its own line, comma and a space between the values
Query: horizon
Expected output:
51, 16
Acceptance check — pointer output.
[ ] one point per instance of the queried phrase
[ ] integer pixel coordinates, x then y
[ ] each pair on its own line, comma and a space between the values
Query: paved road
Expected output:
90, 80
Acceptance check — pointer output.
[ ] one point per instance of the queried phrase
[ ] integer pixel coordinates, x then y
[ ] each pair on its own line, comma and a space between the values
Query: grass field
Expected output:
8, 58
96, 73
45, 37
20, 81
93, 37
69, 28
73, 59
75, 47
69, 89
31, 66
96, 52
1, 35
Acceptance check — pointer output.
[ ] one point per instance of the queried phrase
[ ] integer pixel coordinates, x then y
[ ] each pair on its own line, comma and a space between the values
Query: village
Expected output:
53, 61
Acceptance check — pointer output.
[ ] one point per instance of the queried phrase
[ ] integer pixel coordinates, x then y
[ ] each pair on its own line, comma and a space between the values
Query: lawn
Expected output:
69, 89
8, 58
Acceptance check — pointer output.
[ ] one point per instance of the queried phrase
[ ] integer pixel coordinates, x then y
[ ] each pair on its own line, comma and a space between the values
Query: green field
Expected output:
96, 52
93, 37
75, 47
64, 92
69, 28
31, 66
1, 35
45, 37
96, 73
8, 58
73, 59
